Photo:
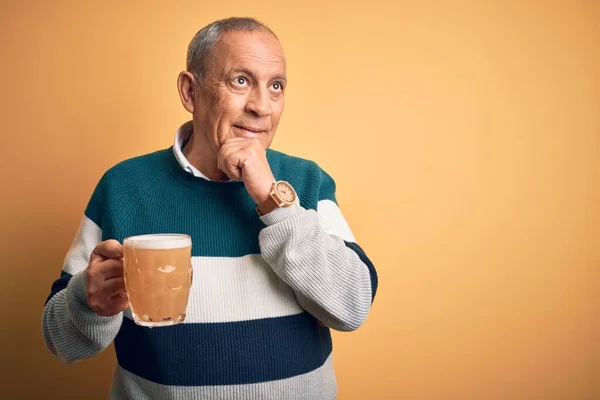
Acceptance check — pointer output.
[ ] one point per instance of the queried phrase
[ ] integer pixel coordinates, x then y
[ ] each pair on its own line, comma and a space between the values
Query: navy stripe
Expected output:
224, 353
59, 284
372, 272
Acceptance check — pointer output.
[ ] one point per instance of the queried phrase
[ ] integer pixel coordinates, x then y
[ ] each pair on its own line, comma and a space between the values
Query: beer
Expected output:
158, 277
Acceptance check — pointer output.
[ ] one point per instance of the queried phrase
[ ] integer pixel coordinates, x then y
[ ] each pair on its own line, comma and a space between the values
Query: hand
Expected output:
246, 159
105, 282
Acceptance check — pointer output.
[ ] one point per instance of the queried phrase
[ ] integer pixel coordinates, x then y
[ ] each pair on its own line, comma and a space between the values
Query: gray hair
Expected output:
200, 48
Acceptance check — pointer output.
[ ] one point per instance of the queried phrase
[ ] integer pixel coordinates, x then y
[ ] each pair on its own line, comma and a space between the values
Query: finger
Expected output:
112, 307
249, 146
235, 144
109, 269
114, 286
109, 249
227, 149
236, 153
230, 162
119, 303
232, 173
233, 166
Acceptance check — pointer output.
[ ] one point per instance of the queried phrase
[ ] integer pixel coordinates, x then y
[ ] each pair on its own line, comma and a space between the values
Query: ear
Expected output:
186, 84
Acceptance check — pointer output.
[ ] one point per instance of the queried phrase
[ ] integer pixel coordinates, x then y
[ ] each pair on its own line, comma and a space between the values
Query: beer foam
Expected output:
158, 241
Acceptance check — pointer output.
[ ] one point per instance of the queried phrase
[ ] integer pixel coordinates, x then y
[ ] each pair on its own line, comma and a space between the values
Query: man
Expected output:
275, 264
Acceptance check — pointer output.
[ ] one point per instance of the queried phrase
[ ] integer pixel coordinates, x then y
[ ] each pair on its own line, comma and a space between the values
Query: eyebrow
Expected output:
250, 74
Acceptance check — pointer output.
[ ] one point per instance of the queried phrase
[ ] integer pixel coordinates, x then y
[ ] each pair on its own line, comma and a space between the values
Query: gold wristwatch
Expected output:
282, 195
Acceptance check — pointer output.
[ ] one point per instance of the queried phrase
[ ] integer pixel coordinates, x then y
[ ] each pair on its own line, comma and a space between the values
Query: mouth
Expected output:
249, 131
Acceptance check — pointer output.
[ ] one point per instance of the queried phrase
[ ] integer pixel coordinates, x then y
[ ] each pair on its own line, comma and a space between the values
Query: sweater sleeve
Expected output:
315, 253
72, 330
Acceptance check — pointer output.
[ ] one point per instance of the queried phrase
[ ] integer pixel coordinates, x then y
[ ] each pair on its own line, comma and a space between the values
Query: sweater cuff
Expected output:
82, 315
281, 214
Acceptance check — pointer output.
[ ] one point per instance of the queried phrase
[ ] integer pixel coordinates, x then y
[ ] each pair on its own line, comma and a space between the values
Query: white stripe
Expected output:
87, 238
332, 220
228, 289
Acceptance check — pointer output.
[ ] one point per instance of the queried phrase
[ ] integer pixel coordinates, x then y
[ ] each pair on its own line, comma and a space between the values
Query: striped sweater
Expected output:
266, 290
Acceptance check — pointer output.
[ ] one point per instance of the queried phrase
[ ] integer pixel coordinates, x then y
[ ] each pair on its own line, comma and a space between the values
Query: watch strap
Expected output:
267, 206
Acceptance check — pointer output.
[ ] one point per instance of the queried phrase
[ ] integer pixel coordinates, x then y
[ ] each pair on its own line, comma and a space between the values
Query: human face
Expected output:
242, 93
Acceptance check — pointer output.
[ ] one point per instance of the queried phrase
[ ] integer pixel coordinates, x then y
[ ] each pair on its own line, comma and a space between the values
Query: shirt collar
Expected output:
182, 136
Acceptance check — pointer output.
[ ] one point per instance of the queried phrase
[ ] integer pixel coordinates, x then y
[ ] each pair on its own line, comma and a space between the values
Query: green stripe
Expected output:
153, 194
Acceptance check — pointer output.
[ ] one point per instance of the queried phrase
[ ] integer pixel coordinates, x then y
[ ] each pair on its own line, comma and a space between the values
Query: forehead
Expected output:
257, 51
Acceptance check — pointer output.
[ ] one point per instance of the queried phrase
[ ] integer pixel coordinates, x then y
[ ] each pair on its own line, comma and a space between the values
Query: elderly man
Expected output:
275, 264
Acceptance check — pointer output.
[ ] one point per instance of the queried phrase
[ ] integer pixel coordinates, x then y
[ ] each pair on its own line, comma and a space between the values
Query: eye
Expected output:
278, 86
240, 80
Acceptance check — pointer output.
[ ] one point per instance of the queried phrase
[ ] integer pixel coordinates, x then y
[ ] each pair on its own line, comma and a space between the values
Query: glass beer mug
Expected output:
158, 277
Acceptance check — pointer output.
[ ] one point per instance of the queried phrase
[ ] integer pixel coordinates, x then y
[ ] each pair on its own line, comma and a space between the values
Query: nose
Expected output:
258, 103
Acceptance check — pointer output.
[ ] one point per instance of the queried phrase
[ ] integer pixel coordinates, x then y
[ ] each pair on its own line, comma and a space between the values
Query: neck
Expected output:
200, 154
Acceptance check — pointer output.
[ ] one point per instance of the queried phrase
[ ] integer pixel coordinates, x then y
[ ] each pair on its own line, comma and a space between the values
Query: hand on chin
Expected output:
245, 159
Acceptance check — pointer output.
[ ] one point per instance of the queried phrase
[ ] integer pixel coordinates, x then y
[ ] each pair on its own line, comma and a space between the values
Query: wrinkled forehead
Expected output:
257, 51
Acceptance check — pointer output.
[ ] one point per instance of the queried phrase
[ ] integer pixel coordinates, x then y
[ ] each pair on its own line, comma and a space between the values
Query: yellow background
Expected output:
464, 137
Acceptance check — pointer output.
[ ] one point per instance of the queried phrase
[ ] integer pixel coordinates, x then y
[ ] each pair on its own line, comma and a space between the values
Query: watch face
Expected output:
286, 192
